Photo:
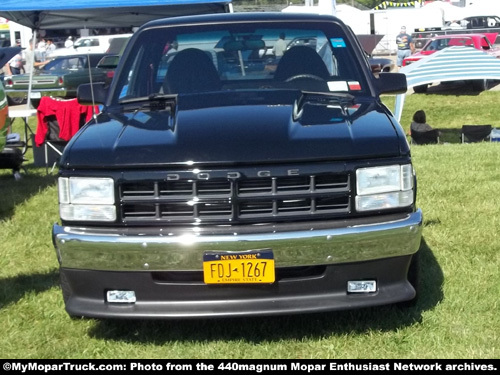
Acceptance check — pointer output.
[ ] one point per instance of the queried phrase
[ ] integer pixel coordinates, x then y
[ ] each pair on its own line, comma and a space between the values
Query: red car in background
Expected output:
483, 42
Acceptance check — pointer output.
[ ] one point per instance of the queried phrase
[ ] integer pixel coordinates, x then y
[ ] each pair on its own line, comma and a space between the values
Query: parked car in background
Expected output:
60, 77
483, 42
89, 44
381, 64
10, 157
480, 22
108, 64
6, 53
117, 45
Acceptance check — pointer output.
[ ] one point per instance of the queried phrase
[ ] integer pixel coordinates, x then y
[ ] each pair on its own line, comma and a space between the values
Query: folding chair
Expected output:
53, 146
51, 149
22, 111
425, 137
476, 133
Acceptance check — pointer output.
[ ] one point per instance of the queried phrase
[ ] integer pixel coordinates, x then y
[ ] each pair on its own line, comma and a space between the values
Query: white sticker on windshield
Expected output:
338, 86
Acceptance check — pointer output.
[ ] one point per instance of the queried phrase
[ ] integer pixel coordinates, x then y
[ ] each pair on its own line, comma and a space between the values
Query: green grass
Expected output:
451, 109
456, 316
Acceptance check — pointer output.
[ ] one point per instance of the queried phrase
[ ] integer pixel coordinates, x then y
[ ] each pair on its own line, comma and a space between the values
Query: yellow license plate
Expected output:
247, 267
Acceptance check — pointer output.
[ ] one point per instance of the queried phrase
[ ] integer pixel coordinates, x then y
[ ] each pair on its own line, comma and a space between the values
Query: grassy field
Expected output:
456, 316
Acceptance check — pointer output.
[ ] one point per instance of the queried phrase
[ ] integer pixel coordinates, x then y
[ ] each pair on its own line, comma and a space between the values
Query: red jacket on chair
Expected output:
69, 114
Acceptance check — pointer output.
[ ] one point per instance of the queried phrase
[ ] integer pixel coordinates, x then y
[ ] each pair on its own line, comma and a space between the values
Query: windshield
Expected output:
66, 63
87, 42
73, 63
239, 56
439, 44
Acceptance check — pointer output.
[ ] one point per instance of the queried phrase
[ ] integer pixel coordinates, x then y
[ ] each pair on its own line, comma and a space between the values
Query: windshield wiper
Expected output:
153, 102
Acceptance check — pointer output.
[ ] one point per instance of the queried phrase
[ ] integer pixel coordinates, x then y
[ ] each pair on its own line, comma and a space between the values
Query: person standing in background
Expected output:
41, 44
41, 50
405, 44
280, 46
50, 47
14, 65
30, 58
69, 42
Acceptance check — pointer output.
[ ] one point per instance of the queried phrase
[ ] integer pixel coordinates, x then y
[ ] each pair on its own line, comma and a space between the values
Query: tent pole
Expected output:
91, 87
398, 109
30, 68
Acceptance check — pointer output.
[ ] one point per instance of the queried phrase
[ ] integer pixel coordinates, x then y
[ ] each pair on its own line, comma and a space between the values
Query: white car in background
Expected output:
88, 44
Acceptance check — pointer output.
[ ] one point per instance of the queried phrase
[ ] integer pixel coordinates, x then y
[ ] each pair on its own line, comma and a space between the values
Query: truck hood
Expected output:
252, 133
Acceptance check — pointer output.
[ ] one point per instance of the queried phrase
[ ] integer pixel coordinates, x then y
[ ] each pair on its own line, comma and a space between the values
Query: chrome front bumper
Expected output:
312, 243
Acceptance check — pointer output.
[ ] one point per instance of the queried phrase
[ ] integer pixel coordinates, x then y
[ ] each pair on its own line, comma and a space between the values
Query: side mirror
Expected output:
92, 93
391, 83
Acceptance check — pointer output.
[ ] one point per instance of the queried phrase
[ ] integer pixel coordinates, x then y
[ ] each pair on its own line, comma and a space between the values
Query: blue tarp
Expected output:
79, 14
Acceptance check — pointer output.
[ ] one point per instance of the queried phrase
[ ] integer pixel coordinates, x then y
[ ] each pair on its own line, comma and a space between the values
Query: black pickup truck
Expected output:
230, 174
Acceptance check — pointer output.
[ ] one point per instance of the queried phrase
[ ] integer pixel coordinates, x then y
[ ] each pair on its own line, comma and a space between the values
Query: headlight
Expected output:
87, 199
384, 187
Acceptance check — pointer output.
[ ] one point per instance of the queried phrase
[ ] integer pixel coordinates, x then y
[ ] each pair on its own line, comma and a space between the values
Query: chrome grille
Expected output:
223, 200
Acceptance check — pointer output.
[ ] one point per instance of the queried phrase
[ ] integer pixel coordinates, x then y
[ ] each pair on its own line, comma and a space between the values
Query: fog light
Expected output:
120, 296
361, 286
